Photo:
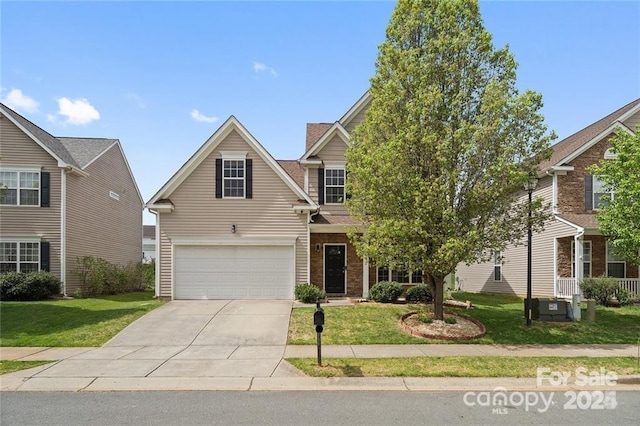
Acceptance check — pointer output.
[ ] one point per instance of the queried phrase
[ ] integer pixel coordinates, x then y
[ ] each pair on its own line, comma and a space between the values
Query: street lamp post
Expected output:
529, 187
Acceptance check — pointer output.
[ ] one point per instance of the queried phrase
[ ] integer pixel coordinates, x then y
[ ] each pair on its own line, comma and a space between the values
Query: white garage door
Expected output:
233, 272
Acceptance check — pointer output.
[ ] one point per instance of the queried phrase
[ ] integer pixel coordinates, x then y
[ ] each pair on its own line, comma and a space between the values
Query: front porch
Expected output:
594, 257
567, 287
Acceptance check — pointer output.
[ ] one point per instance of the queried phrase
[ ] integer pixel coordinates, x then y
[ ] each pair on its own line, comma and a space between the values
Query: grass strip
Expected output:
11, 366
457, 366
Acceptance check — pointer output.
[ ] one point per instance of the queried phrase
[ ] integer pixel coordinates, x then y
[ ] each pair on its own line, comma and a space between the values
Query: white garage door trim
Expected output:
235, 242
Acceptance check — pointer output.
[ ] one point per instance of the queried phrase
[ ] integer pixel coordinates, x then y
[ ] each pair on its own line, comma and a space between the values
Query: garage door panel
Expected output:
233, 272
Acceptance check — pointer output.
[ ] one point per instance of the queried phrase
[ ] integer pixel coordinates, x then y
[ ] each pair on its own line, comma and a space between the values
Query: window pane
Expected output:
497, 273
29, 252
28, 267
9, 179
612, 255
383, 274
8, 252
10, 197
586, 251
416, 277
29, 197
7, 267
399, 276
29, 180
586, 269
615, 270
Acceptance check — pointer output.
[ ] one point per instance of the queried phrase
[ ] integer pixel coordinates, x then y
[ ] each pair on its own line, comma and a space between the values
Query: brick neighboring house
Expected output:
573, 237
64, 198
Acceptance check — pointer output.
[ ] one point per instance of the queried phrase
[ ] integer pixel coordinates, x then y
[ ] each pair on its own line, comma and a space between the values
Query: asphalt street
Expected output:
313, 408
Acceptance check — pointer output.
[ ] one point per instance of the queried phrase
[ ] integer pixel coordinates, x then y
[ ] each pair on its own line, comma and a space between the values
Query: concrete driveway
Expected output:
204, 338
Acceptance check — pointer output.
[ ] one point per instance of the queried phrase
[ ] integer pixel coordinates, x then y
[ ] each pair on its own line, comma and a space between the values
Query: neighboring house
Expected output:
64, 198
148, 243
235, 223
571, 247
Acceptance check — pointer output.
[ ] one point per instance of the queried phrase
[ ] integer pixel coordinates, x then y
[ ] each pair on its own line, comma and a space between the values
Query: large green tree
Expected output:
619, 217
436, 167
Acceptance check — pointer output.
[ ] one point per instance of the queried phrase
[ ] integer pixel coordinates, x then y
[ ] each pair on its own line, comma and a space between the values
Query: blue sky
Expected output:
162, 76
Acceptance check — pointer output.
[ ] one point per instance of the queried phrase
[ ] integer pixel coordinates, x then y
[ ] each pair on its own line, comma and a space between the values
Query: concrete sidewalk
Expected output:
129, 368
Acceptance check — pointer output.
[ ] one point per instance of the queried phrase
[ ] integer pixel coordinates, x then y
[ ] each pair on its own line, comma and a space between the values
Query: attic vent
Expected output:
610, 154
114, 195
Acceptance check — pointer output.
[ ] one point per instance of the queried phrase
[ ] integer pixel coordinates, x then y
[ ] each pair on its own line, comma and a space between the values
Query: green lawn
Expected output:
458, 366
72, 322
12, 366
503, 316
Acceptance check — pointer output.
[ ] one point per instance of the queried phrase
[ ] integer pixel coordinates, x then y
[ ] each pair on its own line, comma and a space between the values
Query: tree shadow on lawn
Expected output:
26, 319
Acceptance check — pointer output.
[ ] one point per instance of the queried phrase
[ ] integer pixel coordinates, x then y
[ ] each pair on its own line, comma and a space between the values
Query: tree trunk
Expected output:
438, 298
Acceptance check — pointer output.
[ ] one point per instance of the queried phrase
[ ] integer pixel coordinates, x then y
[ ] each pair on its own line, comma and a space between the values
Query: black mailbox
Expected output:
318, 318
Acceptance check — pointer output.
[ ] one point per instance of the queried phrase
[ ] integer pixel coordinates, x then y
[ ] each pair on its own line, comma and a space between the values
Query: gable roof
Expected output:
314, 132
335, 129
294, 169
214, 140
563, 150
86, 150
356, 108
47, 141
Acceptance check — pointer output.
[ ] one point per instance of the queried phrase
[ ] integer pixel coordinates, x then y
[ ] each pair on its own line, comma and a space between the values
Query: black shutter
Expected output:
347, 195
320, 186
588, 192
45, 189
249, 178
218, 177
44, 256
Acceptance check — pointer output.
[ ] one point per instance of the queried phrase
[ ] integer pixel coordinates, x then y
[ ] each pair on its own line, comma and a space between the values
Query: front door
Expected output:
334, 269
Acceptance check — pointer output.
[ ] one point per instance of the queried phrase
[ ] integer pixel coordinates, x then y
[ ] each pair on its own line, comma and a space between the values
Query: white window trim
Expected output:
244, 176
326, 186
611, 194
22, 240
497, 263
573, 258
624, 263
19, 170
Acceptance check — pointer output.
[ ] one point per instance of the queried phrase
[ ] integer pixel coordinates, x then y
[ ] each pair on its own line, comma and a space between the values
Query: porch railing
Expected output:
567, 287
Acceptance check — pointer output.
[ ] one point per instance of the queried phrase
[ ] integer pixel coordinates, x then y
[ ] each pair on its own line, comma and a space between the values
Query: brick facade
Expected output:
598, 257
354, 263
571, 185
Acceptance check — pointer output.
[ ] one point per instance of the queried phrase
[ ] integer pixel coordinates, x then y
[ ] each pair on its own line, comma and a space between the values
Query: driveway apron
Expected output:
203, 338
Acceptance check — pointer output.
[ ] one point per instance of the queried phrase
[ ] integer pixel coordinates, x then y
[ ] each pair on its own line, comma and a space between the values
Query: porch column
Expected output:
365, 277
579, 272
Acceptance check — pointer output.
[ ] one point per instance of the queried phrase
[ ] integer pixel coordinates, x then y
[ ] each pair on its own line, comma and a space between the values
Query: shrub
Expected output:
600, 289
309, 293
149, 275
450, 320
419, 293
625, 297
385, 292
32, 286
98, 276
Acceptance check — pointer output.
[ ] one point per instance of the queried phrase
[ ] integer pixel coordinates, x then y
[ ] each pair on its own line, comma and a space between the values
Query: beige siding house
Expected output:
232, 223
64, 198
571, 247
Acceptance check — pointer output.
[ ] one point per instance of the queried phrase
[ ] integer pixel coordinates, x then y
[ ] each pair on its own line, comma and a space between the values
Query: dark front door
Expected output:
334, 267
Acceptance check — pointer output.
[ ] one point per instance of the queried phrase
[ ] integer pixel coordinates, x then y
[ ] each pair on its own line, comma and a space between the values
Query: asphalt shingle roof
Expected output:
293, 168
77, 152
84, 150
570, 144
315, 132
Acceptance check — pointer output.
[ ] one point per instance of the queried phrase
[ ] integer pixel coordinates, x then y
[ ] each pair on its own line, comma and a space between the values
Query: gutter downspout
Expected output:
63, 230
157, 272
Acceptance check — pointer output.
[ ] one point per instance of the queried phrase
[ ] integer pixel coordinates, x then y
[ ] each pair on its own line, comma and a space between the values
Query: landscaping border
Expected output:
411, 331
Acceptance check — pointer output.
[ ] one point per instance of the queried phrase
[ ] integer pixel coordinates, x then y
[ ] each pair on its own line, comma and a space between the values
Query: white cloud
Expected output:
76, 111
198, 116
260, 67
15, 99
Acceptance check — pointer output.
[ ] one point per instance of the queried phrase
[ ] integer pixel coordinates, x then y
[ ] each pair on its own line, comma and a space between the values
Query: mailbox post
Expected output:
318, 321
